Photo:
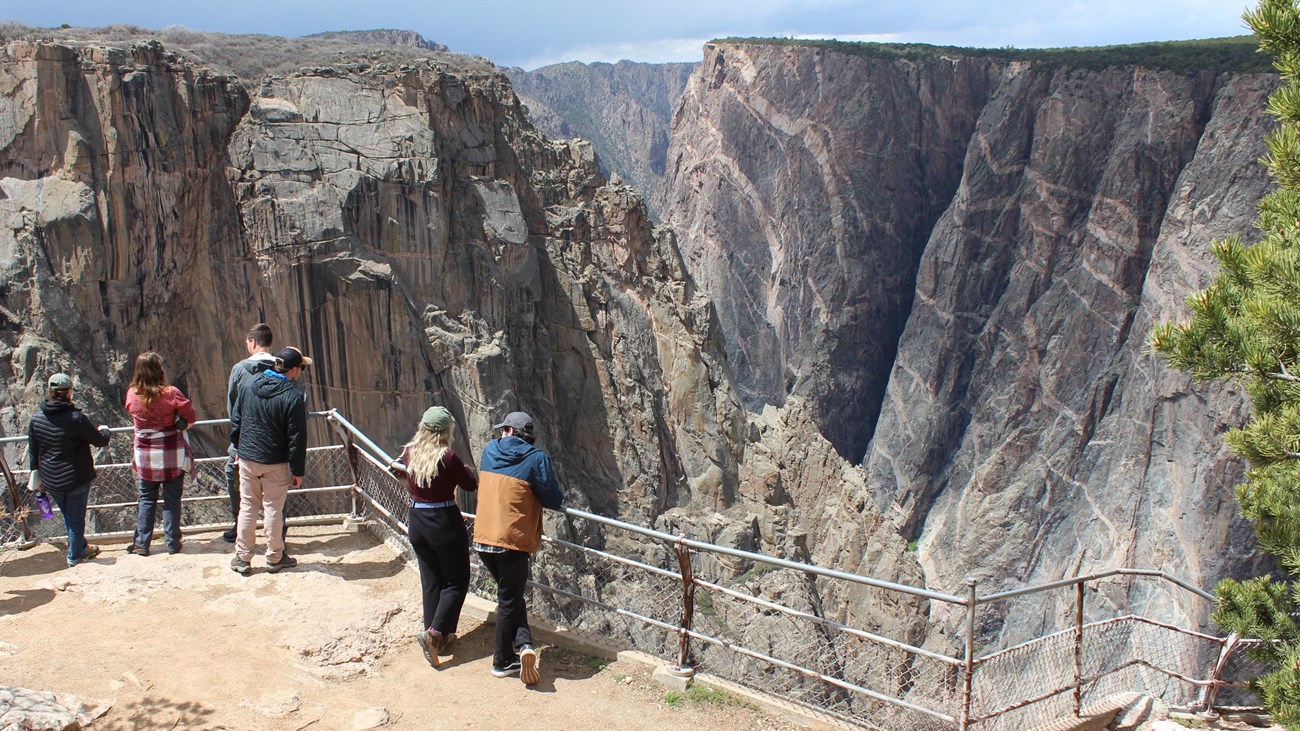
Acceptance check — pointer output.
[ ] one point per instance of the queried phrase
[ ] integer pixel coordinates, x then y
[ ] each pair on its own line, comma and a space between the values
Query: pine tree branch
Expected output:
1283, 376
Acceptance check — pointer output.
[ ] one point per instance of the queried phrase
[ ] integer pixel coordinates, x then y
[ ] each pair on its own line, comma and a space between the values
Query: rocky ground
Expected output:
183, 642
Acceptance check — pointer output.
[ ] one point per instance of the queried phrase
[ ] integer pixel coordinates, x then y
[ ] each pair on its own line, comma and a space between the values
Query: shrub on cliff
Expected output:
1246, 326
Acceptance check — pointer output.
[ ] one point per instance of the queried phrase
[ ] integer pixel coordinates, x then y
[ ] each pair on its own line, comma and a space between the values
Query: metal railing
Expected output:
325, 495
763, 622
816, 637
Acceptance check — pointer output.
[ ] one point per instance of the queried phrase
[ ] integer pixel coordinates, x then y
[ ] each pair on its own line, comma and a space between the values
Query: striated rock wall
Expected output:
952, 266
805, 185
624, 109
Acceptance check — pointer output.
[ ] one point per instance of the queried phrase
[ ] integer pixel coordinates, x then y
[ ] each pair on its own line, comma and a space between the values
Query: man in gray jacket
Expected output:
268, 426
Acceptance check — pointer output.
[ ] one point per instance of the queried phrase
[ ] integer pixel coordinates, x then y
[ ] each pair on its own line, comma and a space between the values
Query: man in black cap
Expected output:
516, 480
268, 426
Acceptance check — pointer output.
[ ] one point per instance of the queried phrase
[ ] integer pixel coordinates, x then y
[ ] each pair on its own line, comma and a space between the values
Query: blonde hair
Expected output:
427, 450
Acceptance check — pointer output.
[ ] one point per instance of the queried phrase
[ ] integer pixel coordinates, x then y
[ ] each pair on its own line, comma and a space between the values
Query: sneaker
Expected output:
228, 536
507, 671
430, 643
137, 549
530, 666
91, 552
285, 562
240, 566
173, 550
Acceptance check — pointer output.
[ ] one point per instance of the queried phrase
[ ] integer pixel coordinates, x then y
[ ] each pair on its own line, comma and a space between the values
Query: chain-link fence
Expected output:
205, 503
755, 620
758, 621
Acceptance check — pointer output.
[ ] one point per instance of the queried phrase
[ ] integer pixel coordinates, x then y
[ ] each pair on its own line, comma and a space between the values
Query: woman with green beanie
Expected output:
435, 526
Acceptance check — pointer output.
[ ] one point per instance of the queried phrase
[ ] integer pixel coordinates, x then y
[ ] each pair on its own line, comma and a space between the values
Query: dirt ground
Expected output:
184, 642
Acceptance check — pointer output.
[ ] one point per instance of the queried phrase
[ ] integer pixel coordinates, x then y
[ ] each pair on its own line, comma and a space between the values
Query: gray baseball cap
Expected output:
517, 420
60, 382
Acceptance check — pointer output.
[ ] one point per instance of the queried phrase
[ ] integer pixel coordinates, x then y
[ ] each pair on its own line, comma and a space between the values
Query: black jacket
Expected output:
59, 438
269, 422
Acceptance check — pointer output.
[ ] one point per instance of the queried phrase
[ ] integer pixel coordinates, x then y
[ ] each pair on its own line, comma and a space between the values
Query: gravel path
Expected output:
183, 642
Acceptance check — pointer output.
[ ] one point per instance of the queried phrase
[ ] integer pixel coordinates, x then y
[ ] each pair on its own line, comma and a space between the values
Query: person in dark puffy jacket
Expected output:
258, 345
59, 438
268, 426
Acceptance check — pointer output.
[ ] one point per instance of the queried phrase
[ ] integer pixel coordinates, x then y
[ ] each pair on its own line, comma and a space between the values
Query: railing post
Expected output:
685, 664
1078, 649
1210, 693
968, 667
353, 462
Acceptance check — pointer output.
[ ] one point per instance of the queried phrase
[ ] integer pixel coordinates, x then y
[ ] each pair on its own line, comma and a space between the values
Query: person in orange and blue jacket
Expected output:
516, 480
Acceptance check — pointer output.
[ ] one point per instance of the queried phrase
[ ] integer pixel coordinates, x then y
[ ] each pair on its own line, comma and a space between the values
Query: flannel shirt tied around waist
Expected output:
161, 454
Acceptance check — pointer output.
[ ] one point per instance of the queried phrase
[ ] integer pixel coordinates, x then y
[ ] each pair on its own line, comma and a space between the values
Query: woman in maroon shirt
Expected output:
435, 526
160, 413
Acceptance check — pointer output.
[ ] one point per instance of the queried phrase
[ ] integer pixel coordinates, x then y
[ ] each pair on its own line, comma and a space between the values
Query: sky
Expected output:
536, 33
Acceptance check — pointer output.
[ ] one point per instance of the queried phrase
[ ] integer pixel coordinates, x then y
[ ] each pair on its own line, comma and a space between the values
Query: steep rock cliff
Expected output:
804, 185
408, 228
405, 226
624, 109
952, 264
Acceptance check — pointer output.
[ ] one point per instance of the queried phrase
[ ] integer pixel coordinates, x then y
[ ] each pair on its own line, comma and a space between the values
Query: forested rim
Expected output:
1236, 53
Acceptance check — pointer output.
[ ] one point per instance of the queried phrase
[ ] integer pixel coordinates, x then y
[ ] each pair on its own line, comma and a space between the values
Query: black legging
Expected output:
441, 546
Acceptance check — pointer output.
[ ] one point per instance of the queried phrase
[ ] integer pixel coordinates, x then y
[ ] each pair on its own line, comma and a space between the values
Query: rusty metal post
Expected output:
685, 664
1078, 649
1210, 693
968, 667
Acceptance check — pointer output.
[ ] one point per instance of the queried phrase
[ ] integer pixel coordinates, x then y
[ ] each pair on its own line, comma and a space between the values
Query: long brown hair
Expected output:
148, 381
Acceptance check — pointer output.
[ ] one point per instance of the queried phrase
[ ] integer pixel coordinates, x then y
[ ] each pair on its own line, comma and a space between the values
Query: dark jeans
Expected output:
73, 506
171, 512
232, 491
441, 546
510, 571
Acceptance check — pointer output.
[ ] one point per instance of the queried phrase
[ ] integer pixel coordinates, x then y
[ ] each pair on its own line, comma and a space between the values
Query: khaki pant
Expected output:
265, 486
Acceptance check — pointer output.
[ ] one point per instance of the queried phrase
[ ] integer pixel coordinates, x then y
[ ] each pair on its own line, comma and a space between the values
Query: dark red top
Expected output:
451, 472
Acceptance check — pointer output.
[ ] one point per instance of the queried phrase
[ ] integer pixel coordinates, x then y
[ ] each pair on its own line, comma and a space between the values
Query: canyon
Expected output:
893, 321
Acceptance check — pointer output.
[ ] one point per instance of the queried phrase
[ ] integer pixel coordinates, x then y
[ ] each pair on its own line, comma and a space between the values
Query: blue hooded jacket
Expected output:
516, 479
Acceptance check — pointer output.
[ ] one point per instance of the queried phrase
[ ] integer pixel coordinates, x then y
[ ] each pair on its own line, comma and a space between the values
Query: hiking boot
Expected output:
228, 536
529, 666
173, 550
240, 566
285, 562
507, 671
137, 549
431, 643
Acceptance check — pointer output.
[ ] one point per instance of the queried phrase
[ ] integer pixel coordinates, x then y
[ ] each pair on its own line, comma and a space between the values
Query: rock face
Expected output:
805, 185
956, 263
624, 109
405, 226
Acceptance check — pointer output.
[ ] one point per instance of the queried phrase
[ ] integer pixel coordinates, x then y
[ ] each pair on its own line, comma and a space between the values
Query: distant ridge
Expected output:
252, 56
382, 36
